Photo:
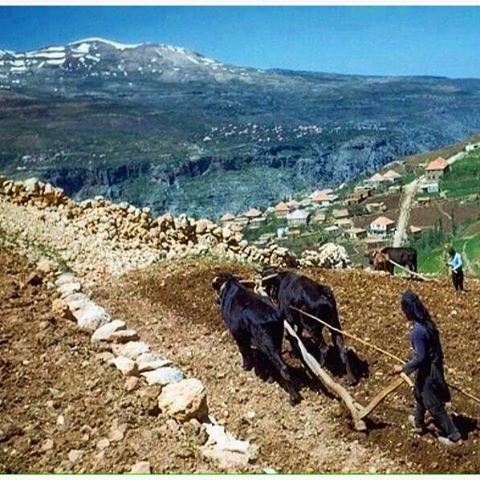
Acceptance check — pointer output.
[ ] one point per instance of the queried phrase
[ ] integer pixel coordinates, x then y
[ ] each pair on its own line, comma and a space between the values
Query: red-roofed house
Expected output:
281, 210
382, 226
321, 198
436, 168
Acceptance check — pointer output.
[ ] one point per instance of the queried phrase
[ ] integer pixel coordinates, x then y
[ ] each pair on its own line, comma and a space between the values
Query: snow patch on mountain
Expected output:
118, 46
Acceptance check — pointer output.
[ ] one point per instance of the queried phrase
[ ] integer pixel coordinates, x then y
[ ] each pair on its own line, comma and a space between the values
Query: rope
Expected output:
385, 352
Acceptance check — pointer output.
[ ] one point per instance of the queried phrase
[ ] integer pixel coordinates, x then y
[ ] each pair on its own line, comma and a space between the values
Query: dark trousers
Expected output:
457, 279
441, 418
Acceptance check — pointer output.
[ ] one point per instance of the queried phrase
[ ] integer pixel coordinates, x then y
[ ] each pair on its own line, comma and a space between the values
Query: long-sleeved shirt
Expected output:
456, 262
419, 339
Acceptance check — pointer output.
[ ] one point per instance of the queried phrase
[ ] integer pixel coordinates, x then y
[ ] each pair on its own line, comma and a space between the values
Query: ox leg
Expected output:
316, 334
337, 339
287, 379
244, 345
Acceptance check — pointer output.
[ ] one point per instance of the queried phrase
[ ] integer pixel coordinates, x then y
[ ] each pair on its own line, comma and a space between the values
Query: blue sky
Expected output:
441, 41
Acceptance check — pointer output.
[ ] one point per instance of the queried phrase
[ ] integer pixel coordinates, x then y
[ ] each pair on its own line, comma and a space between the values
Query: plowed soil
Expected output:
56, 397
174, 307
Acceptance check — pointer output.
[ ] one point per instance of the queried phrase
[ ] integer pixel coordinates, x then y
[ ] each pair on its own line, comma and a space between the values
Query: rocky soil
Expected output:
174, 306
62, 410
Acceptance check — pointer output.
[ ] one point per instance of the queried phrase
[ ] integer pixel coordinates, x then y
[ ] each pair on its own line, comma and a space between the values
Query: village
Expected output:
362, 216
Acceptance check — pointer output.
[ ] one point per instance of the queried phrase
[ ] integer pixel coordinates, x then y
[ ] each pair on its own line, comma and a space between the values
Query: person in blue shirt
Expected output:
431, 390
456, 264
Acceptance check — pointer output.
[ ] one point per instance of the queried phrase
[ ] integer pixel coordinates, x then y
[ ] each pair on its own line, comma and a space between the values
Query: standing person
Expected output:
431, 390
456, 264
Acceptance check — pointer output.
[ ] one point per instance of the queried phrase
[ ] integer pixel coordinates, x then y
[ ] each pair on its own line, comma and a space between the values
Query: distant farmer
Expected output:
455, 263
431, 390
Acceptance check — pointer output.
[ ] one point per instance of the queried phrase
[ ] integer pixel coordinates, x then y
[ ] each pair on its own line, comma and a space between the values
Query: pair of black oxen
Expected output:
255, 320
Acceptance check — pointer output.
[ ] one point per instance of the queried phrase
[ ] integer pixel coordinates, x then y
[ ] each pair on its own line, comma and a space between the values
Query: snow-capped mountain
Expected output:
100, 57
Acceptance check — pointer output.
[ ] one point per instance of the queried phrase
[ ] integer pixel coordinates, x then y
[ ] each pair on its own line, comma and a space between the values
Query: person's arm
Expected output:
419, 341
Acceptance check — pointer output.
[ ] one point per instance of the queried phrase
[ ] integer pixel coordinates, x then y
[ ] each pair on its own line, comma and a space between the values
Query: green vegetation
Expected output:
432, 243
464, 177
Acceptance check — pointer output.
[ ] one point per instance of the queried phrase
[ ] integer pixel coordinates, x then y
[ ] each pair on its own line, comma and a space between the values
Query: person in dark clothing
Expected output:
431, 390
455, 263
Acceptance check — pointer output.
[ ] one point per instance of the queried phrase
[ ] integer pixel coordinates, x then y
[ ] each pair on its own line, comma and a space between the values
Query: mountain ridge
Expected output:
206, 137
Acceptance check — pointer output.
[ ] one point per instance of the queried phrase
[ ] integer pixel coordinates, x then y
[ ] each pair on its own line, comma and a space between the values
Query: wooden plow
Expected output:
357, 411
402, 378
411, 272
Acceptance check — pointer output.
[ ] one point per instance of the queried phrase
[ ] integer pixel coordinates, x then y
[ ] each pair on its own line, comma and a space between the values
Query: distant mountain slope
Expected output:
167, 127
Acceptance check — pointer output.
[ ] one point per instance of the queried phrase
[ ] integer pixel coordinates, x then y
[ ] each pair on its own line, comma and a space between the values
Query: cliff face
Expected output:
168, 128
235, 183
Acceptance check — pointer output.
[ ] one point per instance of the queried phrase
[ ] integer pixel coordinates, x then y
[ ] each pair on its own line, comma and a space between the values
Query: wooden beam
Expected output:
358, 339
332, 386
411, 272
381, 396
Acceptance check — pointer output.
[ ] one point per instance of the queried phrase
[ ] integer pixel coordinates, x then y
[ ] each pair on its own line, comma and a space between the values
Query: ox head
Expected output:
220, 280
371, 256
270, 281
381, 261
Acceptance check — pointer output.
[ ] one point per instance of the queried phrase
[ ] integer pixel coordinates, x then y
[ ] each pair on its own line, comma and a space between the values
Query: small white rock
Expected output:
105, 331
74, 455
141, 467
163, 376
130, 350
126, 365
103, 443
151, 361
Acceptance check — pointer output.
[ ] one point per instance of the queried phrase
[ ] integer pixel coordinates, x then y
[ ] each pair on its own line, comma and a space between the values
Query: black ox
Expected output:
290, 289
254, 320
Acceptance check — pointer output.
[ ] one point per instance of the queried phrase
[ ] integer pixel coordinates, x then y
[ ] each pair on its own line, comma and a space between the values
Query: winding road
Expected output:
408, 195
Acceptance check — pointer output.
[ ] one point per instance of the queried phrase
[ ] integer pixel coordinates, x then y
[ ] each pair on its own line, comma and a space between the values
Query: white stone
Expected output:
74, 455
64, 278
76, 301
126, 365
31, 184
117, 432
184, 400
104, 332
163, 376
123, 336
141, 467
68, 288
91, 317
130, 350
228, 452
103, 443
151, 361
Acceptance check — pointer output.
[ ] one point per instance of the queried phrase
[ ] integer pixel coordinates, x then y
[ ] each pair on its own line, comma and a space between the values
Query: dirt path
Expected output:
174, 307
406, 203
58, 402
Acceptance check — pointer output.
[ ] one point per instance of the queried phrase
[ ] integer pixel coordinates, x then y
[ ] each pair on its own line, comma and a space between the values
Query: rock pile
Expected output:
329, 255
33, 192
182, 399
171, 237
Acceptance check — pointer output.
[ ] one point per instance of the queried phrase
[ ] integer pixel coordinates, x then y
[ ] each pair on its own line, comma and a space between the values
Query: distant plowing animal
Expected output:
386, 258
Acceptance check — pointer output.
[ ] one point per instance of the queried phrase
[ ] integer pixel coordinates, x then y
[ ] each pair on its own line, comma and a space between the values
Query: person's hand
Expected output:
396, 370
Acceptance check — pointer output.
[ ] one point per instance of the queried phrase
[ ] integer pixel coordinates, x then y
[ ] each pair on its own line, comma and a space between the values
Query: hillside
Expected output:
168, 128
68, 269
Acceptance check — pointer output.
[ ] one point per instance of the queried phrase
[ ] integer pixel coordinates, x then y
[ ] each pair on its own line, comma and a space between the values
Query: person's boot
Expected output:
420, 429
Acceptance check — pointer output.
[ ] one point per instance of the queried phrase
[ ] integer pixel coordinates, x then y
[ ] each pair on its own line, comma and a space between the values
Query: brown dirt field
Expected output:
428, 215
48, 369
173, 306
